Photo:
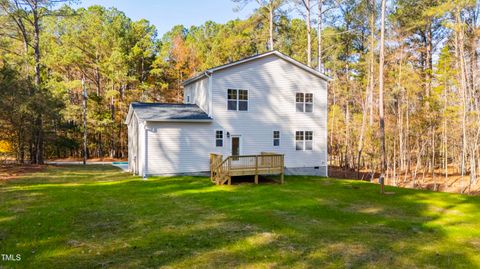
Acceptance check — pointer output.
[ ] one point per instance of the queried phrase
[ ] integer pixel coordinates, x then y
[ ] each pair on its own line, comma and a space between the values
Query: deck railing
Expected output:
266, 163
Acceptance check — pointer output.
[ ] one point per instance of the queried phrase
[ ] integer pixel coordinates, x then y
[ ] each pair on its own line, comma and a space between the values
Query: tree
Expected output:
270, 6
306, 5
380, 96
27, 16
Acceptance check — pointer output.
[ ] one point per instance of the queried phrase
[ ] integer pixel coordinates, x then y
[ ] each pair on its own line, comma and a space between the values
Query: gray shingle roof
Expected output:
169, 112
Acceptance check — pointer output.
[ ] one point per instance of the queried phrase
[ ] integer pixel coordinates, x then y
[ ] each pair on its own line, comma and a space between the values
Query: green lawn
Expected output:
100, 217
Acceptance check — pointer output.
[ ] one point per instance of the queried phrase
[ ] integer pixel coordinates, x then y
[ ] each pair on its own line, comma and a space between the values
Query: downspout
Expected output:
145, 161
210, 101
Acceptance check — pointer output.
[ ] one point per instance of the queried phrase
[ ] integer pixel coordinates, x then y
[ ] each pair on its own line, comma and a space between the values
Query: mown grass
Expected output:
98, 216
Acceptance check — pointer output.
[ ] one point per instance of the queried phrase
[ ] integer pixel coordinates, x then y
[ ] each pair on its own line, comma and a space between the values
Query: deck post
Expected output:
211, 166
283, 170
256, 169
229, 169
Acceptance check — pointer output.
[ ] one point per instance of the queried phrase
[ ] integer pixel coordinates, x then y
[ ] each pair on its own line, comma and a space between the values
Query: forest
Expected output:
404, 97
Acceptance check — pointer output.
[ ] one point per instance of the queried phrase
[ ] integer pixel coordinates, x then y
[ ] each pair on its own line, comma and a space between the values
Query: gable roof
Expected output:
255, 57
167, 112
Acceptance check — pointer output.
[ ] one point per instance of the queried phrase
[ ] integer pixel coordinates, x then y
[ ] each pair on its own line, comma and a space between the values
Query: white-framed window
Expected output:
304, 140
276, 138
219, 138
237, 100
304, 102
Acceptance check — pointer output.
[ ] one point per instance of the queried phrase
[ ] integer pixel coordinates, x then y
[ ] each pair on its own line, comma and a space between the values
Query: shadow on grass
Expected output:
107, 218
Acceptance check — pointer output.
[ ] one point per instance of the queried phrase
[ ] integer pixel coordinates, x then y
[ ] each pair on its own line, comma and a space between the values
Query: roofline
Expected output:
180, 120
131, 113
248, 59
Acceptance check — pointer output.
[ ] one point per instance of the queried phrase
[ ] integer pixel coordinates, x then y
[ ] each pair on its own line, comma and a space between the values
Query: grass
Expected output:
97, 216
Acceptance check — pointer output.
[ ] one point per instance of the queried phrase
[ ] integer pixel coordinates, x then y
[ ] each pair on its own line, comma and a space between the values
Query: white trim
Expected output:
179, 120
145, 161
210, 91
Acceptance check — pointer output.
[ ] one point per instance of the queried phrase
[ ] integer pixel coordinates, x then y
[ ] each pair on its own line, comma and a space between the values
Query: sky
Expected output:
165, 14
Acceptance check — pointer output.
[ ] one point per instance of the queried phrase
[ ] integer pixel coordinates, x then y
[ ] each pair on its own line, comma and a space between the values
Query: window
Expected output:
188, 99
309, 102
308, 140
232, 99
237, 100
304, 140
276, 138
242, 100
219, 138
300, 100
304, 102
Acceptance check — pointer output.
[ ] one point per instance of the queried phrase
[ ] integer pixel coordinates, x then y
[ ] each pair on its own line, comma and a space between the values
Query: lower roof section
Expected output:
169, 112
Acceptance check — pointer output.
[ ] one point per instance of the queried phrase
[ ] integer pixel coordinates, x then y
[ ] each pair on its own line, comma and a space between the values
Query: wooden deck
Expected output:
222, 170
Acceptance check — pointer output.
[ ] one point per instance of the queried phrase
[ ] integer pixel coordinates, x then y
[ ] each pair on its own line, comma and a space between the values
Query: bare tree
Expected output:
380, 97
319, 30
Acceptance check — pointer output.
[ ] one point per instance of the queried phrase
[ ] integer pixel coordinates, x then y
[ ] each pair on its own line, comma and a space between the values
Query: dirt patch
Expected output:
453, 182
343, 173
12, 171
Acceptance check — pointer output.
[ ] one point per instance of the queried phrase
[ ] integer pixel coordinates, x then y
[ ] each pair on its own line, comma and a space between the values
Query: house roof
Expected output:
167, 112
252, 58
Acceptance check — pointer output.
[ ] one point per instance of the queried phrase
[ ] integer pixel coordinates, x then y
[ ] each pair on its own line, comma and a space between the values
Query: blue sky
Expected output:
164, 14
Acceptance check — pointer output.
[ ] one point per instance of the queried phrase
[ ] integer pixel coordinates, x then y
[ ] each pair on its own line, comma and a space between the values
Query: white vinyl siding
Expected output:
176, 147
198, 94
272, 84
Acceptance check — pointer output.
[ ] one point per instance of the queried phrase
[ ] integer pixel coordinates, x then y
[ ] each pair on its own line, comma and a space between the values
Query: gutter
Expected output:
210, 101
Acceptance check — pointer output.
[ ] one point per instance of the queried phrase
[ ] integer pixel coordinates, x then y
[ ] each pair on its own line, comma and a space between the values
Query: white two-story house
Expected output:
265, 103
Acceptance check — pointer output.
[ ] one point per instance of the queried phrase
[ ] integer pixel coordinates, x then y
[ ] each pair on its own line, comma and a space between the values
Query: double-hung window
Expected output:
304, 102
219, 138
237, 100
276, 138
304, 140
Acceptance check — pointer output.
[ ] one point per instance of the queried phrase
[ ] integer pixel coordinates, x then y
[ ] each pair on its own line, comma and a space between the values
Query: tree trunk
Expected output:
459, 42
372, 62
270, 23
380, 97
309, 36
319, 30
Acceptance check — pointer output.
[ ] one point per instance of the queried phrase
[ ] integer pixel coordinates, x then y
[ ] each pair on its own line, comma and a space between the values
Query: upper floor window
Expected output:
219, 138
237, 100
304, 102
276, 138
304, 140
